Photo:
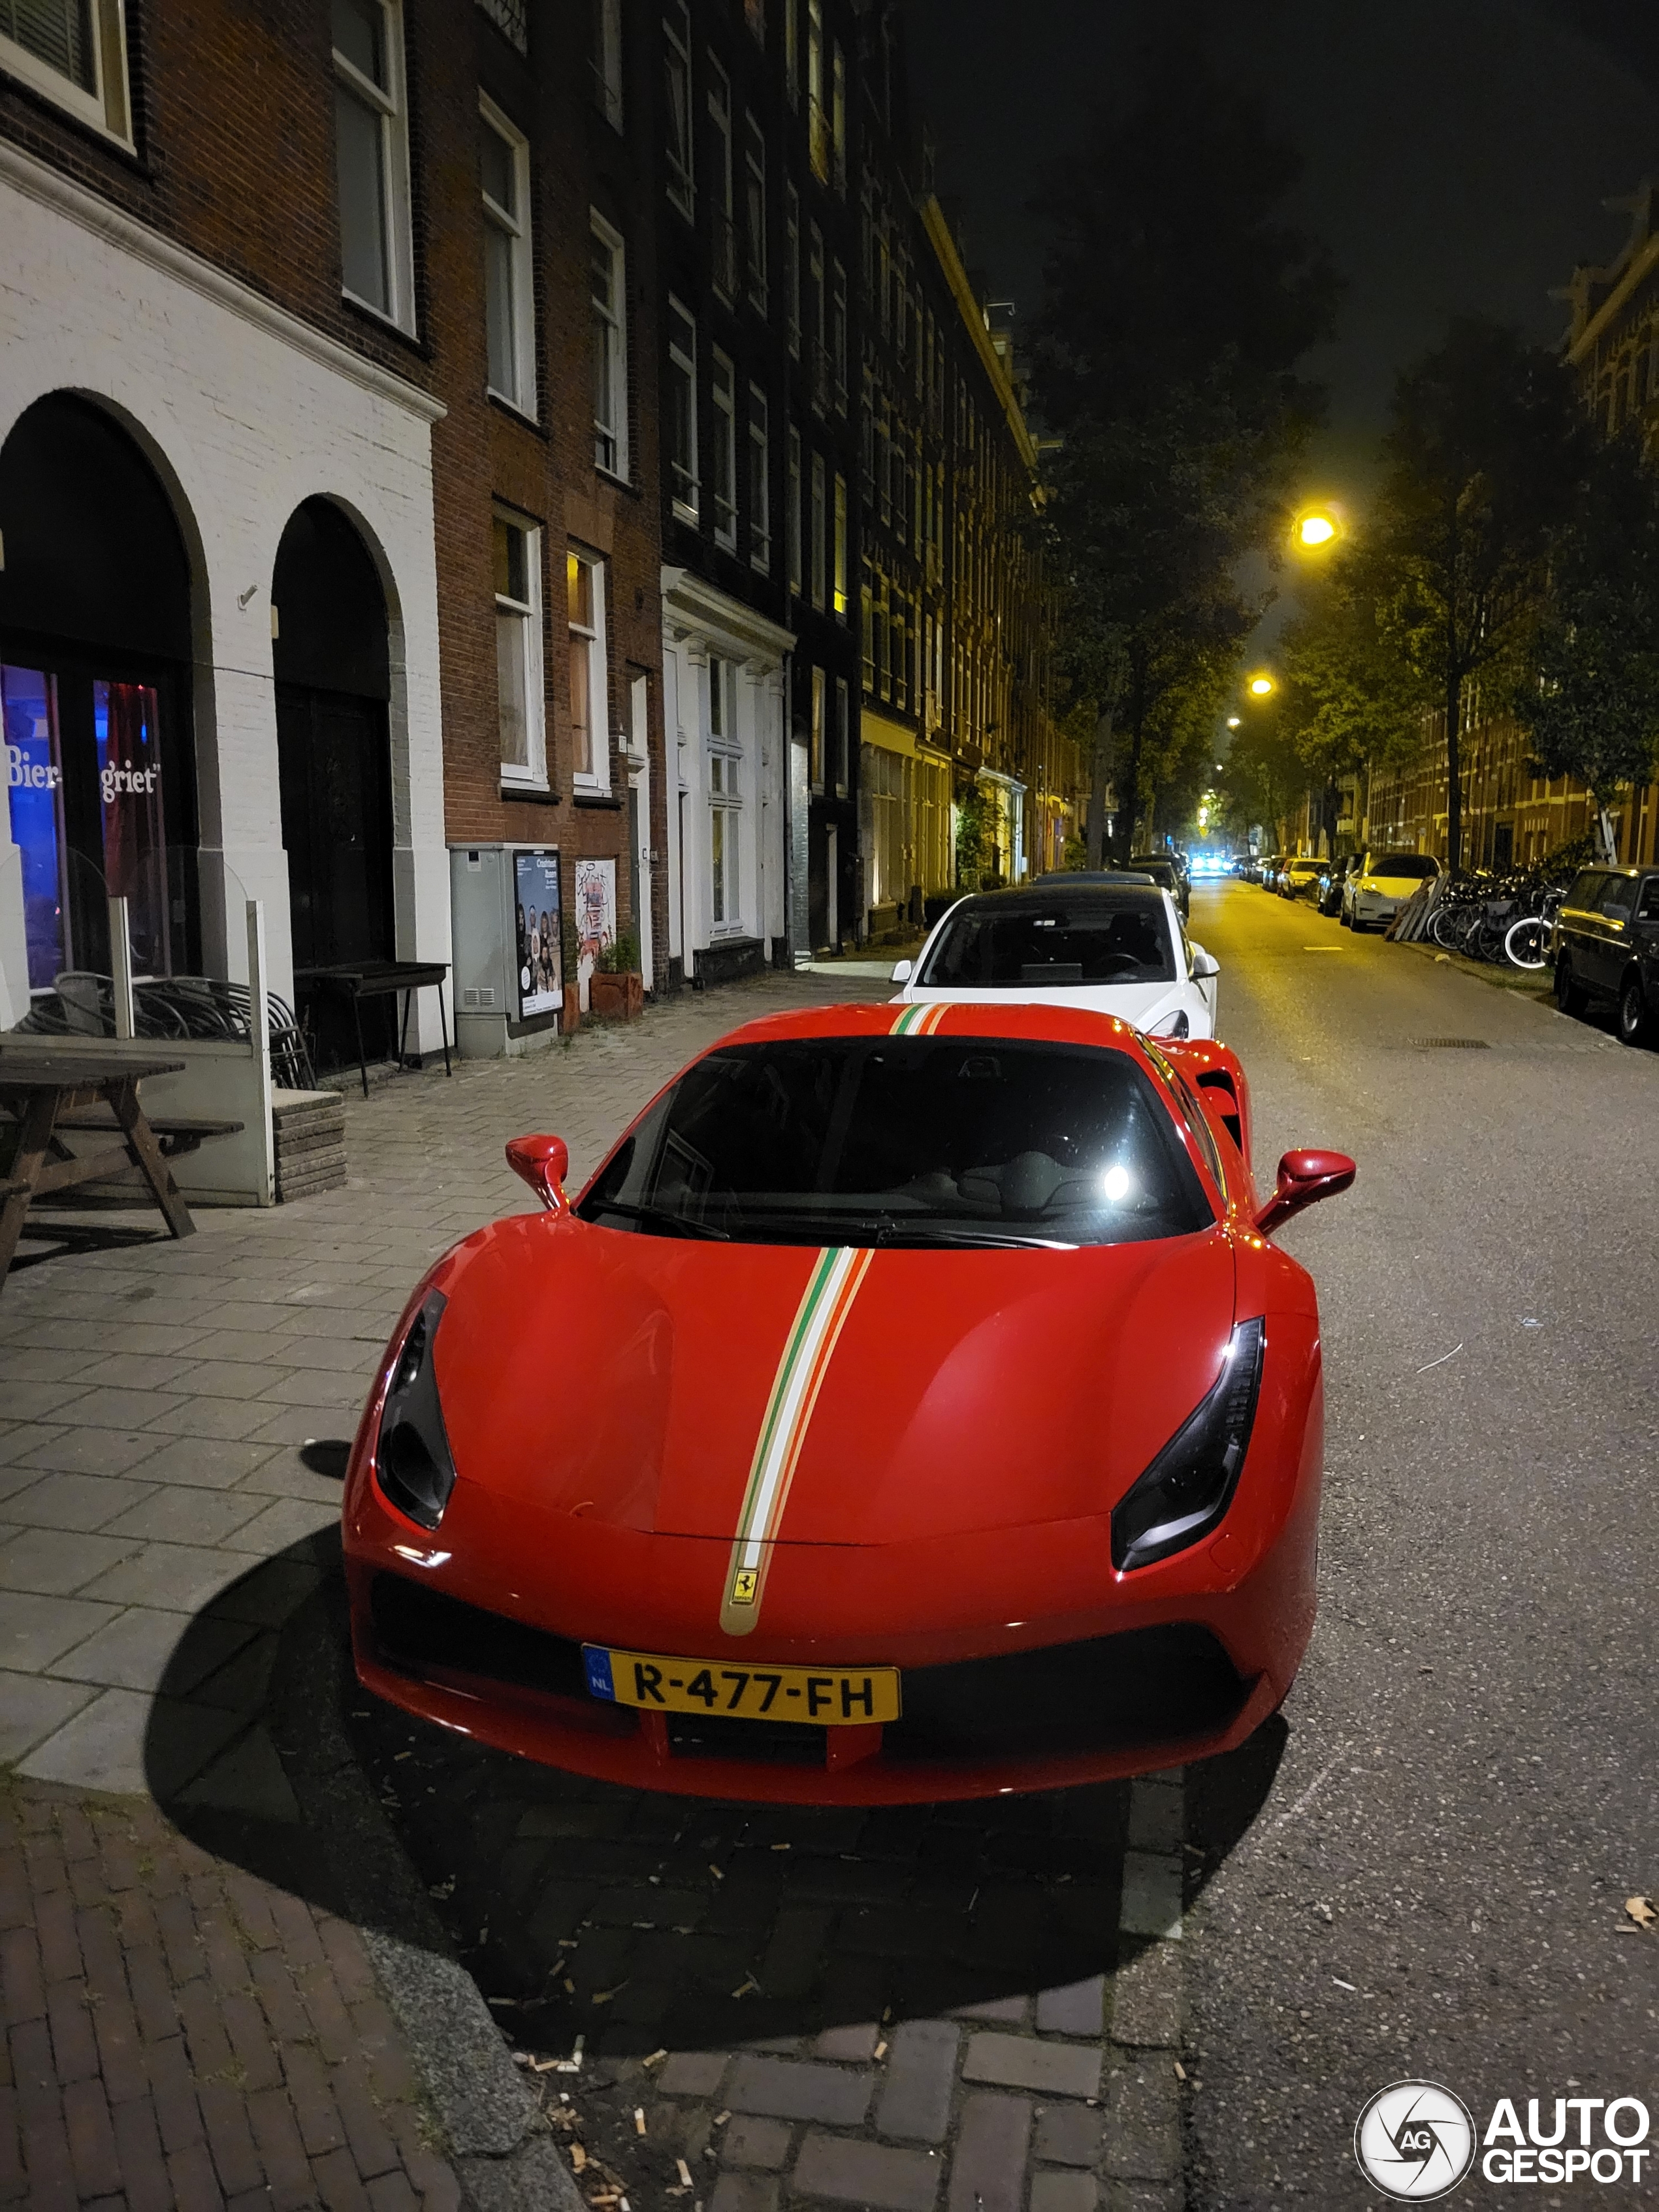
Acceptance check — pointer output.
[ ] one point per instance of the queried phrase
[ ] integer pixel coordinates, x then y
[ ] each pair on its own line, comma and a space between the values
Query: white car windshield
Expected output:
1051, 943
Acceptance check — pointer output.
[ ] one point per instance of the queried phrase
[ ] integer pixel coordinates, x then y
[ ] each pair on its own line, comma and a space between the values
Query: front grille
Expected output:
1112, 1693
418, 1630
1149, 1686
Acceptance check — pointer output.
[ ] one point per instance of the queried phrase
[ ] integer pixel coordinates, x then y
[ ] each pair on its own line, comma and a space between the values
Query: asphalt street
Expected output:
1464, 1789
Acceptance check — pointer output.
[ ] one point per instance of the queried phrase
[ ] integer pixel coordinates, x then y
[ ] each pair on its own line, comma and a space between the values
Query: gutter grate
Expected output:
1452, 1044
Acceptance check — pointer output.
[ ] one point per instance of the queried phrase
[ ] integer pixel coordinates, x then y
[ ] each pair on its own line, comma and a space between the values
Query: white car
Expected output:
1112, 943
1376, 890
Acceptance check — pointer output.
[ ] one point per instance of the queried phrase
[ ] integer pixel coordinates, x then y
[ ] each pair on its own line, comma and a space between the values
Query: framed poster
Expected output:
595, 906
540, 939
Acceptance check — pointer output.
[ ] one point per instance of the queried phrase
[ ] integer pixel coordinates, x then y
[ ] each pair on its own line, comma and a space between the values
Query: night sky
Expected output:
1458, 152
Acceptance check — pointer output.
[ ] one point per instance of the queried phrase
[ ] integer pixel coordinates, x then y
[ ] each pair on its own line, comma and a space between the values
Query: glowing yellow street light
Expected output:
1233, 721
1261, 686
1315, 528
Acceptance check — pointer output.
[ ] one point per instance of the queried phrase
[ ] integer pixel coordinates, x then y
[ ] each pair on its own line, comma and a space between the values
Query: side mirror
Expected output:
1303, 1179
544, 1164
1205, 965
903, 971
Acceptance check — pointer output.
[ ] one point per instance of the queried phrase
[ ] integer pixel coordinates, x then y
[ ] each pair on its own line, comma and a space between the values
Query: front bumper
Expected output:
1099, 1676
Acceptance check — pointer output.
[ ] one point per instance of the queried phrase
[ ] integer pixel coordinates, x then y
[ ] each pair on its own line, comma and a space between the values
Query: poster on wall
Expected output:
34, 786
596, 907
541, 949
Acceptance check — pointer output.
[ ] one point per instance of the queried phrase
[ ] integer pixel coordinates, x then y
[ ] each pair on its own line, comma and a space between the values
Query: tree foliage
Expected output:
1350, 696
1487, 448
1179, 307
1588, 693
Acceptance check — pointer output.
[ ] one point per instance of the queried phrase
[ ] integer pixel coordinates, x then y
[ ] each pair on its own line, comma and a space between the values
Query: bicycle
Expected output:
1527, 942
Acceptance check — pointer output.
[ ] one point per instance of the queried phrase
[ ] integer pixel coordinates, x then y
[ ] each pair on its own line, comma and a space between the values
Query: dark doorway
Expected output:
334, 760
95, 654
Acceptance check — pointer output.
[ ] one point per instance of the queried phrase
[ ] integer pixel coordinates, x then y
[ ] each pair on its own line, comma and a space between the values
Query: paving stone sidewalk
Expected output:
172, 1425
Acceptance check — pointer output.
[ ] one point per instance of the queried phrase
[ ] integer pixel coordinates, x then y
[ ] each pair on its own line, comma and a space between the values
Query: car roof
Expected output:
1038, 896
1079, 876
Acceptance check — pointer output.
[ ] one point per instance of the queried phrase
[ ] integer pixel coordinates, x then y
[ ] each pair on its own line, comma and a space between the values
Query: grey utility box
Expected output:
506, 905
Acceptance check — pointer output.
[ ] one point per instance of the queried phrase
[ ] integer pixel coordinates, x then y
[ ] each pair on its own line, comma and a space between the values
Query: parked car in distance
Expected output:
1332, 878
1268, 878
1380, 886
1607, 948
1298, 876
1112, 944
1164, 868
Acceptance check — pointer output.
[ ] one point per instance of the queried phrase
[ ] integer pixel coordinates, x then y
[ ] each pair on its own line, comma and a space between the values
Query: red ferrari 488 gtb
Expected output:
913, 1405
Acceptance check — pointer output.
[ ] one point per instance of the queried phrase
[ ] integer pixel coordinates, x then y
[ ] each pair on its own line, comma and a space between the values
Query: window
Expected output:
759, 483
819, 522
590, 689
754, 14
511, 19
725, 270
724, 471
677, 63
792, 518
843, 735
74, 51
817, 107
819, 336
681, 418
609, 295
867, 624
606, 60
372, 158
838, 119
815, 733
791, 51
509, 310
754, 210
791, 268
838, 337
838, 573
516, 547
725, 797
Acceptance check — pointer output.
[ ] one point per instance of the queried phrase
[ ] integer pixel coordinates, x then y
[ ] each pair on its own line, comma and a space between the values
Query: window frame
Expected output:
607, 236
841, 734
818, 562
723, 271
521, 262
791, 269
531, 774
838, 556
606, 61
723, 455
390, 103
724, 754
595, 781
107, 109
815, 747
688, 509
755, 239
793, 516
680, 158
760, 480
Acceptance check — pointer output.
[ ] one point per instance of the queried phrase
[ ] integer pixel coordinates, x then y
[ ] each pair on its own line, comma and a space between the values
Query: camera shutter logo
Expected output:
1414, 2140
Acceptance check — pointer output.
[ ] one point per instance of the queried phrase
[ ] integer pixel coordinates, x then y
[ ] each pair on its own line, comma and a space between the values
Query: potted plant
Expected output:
617, 988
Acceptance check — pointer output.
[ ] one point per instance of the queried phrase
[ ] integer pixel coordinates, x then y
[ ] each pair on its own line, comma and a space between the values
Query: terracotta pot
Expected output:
619, 996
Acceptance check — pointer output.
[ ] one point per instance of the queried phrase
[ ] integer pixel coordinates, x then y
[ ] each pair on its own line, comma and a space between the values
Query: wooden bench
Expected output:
177, 1133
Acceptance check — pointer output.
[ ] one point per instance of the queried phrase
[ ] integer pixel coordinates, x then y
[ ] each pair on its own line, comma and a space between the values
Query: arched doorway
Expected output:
331, 666
94, 663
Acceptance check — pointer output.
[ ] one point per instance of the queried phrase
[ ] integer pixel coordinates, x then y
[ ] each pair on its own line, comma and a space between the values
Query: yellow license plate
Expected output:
826, 1697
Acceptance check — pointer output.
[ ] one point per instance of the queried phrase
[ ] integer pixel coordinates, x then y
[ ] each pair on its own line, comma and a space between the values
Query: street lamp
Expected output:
1233, 721
1315, 528
1261, 686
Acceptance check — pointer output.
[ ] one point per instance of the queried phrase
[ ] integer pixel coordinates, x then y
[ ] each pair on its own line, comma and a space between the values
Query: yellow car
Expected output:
1377, 891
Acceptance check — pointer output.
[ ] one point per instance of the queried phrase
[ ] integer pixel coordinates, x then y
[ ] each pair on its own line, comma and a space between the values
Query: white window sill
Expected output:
391, 322
727, 544
589, 787
507, 400
615, 476
684, 514
762, 567
17, 62
518, 779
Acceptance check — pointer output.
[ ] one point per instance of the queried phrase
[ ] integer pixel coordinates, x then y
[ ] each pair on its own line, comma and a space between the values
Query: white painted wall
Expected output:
245, 412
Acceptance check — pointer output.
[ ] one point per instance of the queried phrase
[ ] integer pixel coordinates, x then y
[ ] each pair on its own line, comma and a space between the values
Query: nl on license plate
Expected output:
832, 1697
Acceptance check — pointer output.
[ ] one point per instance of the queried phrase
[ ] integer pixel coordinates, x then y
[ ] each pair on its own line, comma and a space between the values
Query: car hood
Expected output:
1143, 1006
627, 1378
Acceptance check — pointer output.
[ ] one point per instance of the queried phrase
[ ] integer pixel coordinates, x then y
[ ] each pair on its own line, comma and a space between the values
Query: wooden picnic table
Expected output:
45, 1094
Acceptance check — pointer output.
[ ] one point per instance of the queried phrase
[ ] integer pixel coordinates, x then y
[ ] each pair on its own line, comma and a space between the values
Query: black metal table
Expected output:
383, 979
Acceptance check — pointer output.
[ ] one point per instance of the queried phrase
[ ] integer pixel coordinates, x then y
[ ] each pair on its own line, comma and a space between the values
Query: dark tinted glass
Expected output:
1649, 910
1402, 864
1080, 941
1618, 897
1585, 892
906, 1141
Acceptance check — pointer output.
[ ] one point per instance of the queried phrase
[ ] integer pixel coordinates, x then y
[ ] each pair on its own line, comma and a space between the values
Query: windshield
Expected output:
905, 1141
1068, 942
1403, 864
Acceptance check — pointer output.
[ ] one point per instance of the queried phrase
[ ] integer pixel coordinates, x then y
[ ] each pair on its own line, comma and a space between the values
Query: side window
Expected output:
1581, 897
1618, 897
1648, 909
1190, 1111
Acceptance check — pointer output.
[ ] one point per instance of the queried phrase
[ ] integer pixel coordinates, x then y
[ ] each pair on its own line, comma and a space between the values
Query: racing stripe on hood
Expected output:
826, 1304
921, 1021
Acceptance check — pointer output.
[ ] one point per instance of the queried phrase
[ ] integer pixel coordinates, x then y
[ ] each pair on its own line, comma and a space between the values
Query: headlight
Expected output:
1190, 1484
1174, 1025
412, 1460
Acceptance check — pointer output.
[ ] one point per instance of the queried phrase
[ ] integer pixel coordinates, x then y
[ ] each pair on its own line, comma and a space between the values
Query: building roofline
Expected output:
1641, 264
945, 245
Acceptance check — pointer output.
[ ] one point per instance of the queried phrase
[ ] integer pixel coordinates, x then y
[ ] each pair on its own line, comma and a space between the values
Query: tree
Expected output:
1263, 772
1487, 444
1179, 304
1589, 692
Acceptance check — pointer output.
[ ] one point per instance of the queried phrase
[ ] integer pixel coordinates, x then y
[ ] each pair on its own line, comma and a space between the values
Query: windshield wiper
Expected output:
682, 1224
893, 1232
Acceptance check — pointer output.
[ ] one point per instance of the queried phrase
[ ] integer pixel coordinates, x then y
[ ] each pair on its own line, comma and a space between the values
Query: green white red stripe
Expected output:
819, 1319
920, 1020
